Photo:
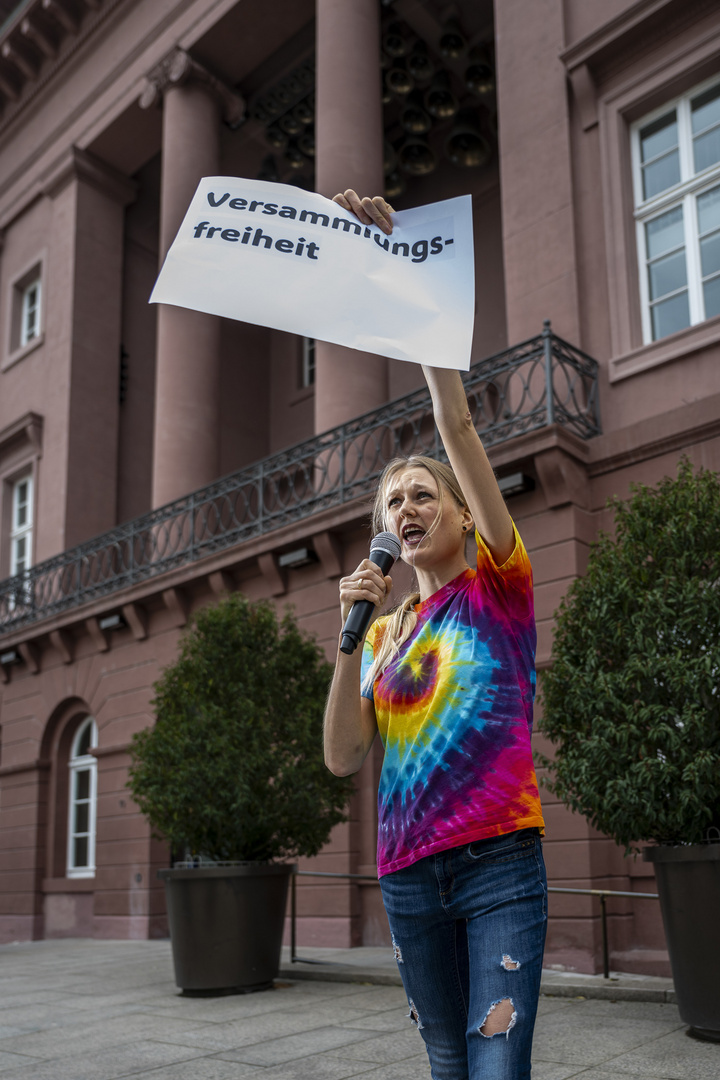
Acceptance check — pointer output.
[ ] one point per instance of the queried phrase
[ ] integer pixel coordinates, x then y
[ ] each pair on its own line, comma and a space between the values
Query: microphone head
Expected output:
388, 542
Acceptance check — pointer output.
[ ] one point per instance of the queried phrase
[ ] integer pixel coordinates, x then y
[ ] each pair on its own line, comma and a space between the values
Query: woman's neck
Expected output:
433, 578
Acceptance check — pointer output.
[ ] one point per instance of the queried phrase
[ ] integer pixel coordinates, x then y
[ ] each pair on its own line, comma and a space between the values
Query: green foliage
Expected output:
233, 767
632, 700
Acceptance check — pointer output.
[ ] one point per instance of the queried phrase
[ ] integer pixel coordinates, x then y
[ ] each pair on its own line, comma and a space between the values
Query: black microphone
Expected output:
384, 550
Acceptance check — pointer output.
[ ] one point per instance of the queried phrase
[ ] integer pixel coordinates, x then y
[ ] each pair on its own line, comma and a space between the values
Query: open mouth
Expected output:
413, 535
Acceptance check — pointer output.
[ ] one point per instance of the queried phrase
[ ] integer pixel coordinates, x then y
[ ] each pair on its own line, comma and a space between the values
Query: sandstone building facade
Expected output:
153, 459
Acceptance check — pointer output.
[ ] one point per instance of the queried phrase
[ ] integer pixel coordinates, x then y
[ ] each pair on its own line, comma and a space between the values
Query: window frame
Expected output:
308, 363
22, 532
27, 309
77, 764
640, 81
20, 455
17, 344
684, 194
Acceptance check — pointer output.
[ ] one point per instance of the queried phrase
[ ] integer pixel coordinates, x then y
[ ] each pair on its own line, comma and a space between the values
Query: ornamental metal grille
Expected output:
540, 382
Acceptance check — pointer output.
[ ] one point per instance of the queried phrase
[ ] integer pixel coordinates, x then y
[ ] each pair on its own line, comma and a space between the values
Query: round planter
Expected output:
688, 880
226, 925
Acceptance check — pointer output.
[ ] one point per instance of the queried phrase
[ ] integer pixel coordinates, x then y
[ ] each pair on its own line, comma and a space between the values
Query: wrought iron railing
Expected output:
543, 381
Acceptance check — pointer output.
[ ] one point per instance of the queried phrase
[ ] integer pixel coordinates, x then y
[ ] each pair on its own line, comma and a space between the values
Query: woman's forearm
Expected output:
350, 726
450, 405
469, 460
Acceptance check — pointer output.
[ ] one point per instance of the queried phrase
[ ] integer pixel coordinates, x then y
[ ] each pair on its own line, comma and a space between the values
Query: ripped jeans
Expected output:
468, 930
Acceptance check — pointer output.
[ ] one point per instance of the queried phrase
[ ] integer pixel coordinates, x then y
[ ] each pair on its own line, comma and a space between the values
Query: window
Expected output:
676, 165
307, 374
21, 525
82, 802
26, 314
30, 313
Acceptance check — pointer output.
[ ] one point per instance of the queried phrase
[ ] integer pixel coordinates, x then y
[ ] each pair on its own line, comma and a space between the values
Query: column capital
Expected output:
179, 68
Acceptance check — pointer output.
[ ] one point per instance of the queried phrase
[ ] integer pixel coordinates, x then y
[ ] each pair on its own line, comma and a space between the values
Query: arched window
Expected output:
82, 802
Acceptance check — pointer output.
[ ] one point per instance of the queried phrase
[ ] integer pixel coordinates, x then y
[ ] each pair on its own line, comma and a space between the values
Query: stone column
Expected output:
349, 153
84, 275
187, 391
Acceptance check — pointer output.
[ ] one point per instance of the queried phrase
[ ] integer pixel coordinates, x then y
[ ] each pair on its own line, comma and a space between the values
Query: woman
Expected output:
448, 679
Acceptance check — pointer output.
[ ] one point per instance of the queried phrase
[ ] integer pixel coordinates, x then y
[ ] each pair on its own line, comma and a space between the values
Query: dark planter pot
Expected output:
226, 925
688, 879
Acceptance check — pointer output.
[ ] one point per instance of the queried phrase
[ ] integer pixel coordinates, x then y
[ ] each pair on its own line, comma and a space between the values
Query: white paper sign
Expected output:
282, 257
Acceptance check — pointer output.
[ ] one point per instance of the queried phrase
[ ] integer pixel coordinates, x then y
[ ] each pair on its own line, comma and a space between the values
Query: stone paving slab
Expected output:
97, 1010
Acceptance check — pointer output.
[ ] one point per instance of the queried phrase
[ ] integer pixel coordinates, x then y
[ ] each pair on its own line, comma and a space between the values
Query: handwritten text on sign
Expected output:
291, 260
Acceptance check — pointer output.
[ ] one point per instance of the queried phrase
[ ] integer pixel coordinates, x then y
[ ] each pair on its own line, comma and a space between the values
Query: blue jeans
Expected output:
468, 930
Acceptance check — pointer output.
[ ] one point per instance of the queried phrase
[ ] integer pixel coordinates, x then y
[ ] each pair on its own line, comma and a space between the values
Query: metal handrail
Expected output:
602, 894
542, 381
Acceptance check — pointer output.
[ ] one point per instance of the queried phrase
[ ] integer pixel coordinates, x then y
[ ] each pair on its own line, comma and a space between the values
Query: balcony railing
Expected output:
543, 381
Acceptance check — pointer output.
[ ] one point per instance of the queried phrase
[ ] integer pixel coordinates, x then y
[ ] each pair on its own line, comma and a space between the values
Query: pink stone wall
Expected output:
81, 190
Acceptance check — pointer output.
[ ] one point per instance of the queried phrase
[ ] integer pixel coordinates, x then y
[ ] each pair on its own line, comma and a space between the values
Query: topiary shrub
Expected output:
233, 767
632, 700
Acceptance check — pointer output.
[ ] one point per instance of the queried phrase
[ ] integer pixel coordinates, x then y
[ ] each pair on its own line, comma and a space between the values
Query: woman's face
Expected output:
412, 511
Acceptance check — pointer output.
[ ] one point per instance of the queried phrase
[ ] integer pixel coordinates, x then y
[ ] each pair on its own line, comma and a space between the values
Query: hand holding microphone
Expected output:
367, 588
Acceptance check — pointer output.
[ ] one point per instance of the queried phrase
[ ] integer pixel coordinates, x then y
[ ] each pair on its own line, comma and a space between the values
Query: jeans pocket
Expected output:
505, 848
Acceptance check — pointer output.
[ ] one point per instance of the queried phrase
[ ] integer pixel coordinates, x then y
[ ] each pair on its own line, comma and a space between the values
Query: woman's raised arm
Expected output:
452, 416
469, 461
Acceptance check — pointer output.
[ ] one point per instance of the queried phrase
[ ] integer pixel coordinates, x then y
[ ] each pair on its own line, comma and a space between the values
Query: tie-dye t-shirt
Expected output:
454, 711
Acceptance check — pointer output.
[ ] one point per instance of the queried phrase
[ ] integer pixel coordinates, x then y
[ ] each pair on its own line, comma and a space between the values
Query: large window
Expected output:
676, 166
82, 802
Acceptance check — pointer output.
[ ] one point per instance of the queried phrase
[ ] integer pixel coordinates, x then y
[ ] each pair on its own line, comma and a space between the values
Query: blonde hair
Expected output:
402, 620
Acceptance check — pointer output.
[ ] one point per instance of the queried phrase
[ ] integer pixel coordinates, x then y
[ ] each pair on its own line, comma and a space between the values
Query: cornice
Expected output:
586, 49
27, 428
642, 24
41, 40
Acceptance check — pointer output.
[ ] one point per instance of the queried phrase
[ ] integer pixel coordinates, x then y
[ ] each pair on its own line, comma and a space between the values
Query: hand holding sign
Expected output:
292, 260
373, 211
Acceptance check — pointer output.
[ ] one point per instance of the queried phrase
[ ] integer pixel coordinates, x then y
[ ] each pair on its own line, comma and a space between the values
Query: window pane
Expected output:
708, 206
665, 232
82, 784
711, 293
19, 550
706, 109
661, 174
659, 136
84, 744
82, 817
706, 149
666, 275
80, 851
710, 254
670, 316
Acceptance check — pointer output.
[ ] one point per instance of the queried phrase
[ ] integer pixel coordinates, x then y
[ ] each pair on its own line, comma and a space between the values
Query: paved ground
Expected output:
89, 1010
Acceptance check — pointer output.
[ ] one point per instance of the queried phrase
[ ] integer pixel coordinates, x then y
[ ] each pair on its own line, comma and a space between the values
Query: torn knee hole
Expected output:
500, 1019
508, 963
414, 1016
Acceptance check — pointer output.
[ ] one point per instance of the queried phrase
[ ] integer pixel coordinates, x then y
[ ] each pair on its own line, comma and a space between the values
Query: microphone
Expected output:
384, 550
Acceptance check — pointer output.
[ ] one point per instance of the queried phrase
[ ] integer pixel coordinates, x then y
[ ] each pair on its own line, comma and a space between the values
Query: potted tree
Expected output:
232, 776
632, 706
